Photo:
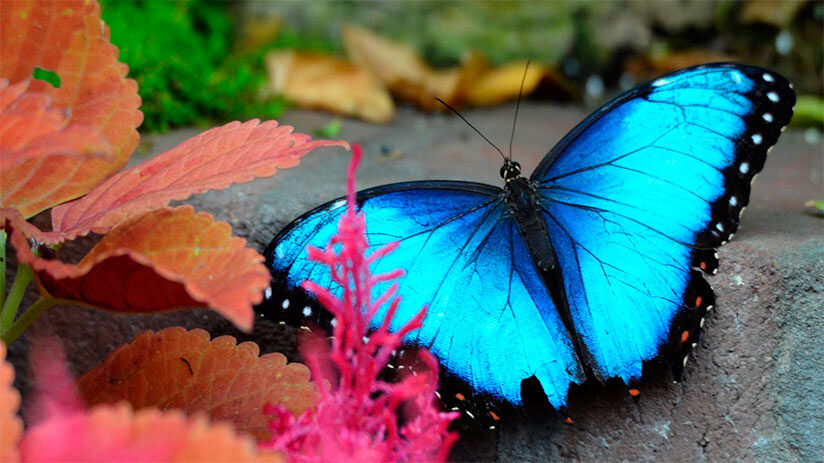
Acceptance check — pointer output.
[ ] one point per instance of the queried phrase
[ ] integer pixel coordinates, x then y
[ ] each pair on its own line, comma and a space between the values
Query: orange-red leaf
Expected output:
12, 219
30, 128
164, 260
10, 423
175, 368
67, 37
233, 153
116, 433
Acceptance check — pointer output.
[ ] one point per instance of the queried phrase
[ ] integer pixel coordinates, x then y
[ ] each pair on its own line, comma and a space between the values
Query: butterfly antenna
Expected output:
473, 127
517, 107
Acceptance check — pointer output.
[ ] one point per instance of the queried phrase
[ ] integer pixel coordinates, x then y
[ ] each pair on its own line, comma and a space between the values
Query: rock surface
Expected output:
752, 389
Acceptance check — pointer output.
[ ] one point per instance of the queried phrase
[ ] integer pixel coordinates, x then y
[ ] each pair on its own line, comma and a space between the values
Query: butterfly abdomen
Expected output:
523, 201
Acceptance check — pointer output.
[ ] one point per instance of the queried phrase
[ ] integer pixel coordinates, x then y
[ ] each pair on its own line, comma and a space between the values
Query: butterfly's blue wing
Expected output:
490, 321
639, 195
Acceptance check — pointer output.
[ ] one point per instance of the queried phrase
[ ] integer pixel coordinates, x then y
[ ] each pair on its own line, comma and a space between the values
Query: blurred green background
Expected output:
201, 62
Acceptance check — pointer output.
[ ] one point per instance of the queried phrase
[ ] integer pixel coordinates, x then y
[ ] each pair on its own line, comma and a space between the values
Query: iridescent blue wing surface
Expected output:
491, 320
637, 198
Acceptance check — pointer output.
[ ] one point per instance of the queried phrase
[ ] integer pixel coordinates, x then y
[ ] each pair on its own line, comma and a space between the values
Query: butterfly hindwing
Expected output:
640, 194
490, 318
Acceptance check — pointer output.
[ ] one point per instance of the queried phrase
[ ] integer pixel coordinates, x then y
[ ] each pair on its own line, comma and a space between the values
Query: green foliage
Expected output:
47, 76
330, 130
808, 112
817, 204
180, 55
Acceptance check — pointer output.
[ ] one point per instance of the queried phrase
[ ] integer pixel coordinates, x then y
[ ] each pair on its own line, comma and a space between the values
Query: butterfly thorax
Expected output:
522, 200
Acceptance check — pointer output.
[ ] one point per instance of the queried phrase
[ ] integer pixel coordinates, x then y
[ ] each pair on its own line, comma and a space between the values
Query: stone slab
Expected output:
752, 389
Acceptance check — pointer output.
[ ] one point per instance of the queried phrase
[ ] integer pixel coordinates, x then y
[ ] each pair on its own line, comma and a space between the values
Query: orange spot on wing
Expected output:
494, 415
703, 265
698, 301
568, 420
634, 392
460, 397
685, 335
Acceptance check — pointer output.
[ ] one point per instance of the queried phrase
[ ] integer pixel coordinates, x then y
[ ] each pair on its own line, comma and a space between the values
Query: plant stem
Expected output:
30, 315
15, 296
2, 267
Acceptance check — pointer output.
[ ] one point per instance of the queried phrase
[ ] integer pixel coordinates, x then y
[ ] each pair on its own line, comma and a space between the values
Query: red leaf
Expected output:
10, 423
12, 219
30, 128
164, 260
66, 431
175, 368
67, 37
233, 153
116, 433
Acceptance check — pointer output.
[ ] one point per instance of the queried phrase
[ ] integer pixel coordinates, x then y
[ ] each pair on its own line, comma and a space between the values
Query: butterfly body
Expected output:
522, 200
594, 264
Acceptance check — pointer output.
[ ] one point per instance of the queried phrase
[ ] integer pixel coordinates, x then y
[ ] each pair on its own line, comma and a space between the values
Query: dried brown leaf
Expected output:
330, 83
401, 69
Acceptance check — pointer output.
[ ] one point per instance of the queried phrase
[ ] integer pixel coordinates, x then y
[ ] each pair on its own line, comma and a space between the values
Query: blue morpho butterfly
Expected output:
594, 264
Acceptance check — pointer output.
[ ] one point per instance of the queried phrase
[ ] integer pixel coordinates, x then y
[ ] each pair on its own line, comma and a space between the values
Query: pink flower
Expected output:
357, 419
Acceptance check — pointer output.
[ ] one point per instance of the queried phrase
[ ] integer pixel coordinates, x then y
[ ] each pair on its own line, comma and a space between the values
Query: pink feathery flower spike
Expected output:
356, 419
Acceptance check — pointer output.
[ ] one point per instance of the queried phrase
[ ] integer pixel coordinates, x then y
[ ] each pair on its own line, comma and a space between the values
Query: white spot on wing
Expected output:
733, 201
767, 117
719, 226
337, 204
757, 138
307, 311
660, 82
267, 293
773, 97
744, 167
285, 304
767, 77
